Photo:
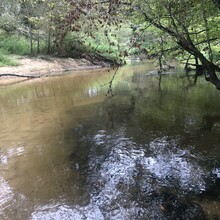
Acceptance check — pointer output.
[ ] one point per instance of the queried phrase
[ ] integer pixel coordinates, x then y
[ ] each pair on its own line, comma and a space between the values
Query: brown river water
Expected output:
150, 151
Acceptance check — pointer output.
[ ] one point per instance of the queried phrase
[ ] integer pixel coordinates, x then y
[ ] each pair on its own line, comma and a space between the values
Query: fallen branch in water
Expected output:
24, 76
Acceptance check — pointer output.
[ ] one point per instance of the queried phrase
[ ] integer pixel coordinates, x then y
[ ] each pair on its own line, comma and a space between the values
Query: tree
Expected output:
40, 17
9, 10
189, 25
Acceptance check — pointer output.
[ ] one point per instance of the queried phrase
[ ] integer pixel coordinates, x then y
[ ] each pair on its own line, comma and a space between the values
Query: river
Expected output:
149, 150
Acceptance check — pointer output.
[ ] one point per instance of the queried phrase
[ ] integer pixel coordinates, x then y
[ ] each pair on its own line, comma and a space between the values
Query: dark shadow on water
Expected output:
209, 121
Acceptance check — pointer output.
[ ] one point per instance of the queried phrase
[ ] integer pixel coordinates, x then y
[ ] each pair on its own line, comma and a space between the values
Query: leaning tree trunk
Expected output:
209, 70
186, 43
208, 67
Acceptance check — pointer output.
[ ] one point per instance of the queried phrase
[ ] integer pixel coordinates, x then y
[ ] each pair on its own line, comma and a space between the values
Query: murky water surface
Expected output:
152, 151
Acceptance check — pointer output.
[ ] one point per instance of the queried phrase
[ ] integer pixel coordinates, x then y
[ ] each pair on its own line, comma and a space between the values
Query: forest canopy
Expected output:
185, 29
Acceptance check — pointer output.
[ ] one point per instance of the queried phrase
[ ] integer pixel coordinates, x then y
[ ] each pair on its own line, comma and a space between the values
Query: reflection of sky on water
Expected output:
126, 181
6, 193
12, 151
92, 91
216, 171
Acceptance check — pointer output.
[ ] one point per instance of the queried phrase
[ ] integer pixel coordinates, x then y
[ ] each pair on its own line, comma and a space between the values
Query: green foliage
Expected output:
71, 46
15, 45
6, 60
113, 29
183, 18
216, 52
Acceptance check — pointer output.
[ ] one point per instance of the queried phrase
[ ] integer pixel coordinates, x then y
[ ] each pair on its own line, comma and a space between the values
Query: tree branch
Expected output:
23, 76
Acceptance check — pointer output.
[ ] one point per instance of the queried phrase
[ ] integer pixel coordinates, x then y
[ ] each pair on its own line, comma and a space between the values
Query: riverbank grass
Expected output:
7, 60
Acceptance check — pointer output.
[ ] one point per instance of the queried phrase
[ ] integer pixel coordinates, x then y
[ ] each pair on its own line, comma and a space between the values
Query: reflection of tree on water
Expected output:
130, 181
209, 121
127, 109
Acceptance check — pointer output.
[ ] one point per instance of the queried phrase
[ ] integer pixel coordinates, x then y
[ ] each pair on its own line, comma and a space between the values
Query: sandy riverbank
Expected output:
44, 67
